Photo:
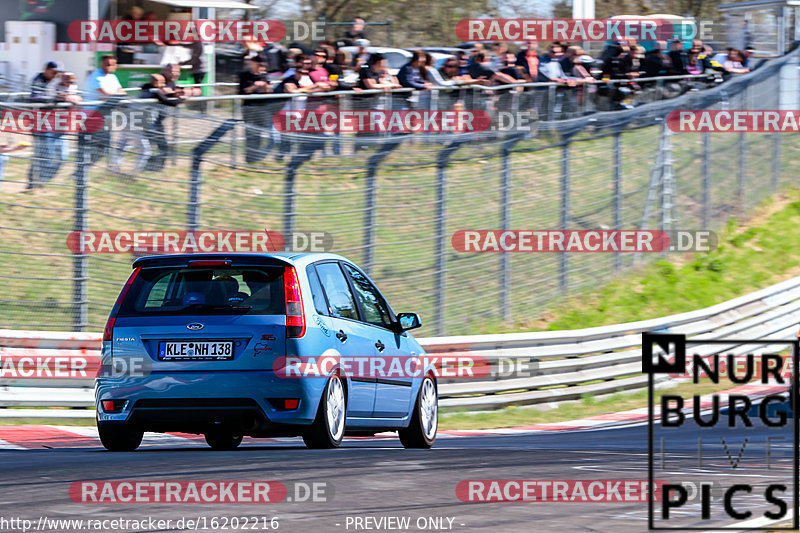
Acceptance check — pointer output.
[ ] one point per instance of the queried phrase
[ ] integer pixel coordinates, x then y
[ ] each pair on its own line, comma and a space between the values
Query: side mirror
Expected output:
406, 321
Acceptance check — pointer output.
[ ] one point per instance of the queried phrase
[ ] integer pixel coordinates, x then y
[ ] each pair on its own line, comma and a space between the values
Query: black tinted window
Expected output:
373, 305
317, 294
337, 290
199, 291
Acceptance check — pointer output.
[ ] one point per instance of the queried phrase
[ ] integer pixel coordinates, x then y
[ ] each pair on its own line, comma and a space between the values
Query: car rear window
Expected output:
206, 291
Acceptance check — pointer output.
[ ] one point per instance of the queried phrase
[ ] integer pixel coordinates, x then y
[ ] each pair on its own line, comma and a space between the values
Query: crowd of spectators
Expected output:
621, 70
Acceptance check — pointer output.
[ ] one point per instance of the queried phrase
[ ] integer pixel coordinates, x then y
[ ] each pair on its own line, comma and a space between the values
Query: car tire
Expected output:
327, 430
421, 431
120, 437
222, 440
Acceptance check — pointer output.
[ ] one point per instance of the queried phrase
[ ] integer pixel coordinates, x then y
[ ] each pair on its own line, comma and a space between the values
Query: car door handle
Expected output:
379, 345
341, 335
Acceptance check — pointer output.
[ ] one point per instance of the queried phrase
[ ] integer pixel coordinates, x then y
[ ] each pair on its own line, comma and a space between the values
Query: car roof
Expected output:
377, 49
295, 258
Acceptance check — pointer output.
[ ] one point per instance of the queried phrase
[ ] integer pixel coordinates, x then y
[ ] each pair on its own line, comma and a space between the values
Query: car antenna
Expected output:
270, 240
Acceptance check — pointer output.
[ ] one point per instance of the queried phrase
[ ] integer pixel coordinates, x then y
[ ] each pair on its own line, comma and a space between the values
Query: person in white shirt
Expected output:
101, 85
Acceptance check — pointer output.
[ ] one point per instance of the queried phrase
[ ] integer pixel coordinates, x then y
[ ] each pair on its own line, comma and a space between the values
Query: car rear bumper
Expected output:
195, 401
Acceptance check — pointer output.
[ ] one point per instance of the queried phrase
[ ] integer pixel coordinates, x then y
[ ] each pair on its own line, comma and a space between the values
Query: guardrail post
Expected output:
706, 180
563, 282
617, 192
551, 101
741, 147
776, 161
80, 274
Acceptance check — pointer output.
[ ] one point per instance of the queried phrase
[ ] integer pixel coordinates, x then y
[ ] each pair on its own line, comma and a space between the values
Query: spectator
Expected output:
375, 75
463, 63
46, 161
747, 53
172, 75
197, 61
655, 63
511, 69
550, 65
413, 74
300, 82
318, 72
693, 64
446, 76
66, 92
254, 111
480, 70
156, 88
361, 56
355, 32
677, 58
733, 63
528, 59
103, 82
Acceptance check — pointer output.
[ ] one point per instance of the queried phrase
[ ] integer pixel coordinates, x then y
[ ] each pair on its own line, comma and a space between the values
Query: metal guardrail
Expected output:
568, 364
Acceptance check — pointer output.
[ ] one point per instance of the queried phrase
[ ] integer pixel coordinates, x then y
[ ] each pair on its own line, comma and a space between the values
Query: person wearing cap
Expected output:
255, 112
678, 58
46, 161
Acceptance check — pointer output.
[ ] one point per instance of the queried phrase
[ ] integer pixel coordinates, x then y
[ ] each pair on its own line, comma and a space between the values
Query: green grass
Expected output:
331, 197
588, 406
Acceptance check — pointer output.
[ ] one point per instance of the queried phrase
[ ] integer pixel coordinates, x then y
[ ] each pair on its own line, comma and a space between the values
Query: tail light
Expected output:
108, 331
113, 406
295, 319
284, 404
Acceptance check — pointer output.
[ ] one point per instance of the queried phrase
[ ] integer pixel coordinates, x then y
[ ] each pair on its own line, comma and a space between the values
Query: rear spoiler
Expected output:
184, 260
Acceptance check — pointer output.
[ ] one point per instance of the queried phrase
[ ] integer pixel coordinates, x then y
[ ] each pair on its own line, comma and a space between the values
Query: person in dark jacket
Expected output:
157, 88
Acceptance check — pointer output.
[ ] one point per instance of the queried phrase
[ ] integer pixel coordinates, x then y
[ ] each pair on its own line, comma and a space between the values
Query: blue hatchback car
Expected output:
261, 345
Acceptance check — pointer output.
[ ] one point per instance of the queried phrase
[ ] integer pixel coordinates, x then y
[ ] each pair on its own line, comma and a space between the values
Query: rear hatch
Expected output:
202, 315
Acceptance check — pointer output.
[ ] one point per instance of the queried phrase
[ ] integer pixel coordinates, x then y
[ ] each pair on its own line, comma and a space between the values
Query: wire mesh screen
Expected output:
389, 203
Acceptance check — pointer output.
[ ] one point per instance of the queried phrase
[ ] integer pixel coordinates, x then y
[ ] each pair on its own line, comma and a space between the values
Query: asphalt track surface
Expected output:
378, 478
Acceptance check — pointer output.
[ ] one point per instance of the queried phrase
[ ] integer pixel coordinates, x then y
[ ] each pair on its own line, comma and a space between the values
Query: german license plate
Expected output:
194, 350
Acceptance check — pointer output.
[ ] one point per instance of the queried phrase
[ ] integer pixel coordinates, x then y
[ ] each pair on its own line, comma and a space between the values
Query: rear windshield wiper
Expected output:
209, 307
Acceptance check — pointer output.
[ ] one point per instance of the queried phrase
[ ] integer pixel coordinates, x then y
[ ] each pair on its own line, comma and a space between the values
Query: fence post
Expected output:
668, 215
563, 282
441, 237
776, 161
237, 116
617, 192
193, 211
175, 129
288, 202
505, 225
80, 274
741, 147
441, 212
706, 180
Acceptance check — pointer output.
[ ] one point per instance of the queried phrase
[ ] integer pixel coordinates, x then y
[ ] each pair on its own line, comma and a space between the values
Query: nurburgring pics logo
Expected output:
740, 120
588, 241
749, 410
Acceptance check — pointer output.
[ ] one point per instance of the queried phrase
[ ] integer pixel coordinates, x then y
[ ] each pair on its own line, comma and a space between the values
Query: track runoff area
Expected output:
721, 460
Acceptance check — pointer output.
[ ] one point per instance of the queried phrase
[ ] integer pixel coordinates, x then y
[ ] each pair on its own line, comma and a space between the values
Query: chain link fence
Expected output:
390, 203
